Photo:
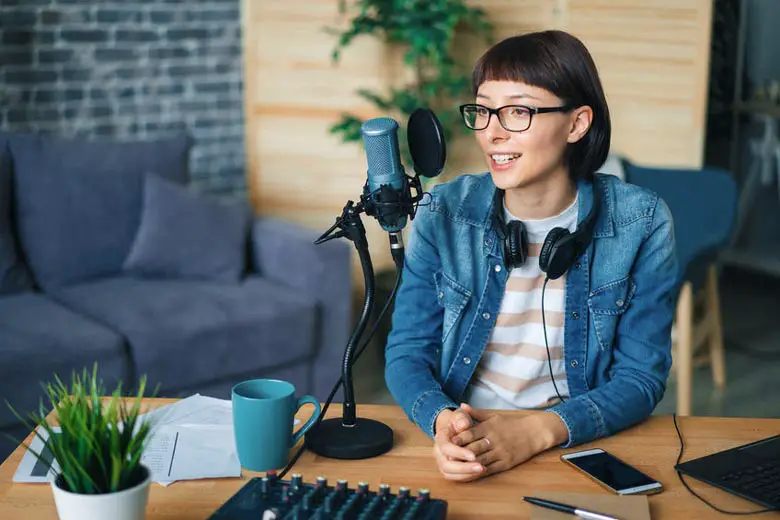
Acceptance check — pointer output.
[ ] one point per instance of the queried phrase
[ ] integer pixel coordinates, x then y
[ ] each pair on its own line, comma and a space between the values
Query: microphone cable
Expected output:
338, 384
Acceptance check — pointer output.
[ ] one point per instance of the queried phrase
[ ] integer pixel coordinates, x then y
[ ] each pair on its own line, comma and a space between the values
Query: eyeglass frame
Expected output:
531, 110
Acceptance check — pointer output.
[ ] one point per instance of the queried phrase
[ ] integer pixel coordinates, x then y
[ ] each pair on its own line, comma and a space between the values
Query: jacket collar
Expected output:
477, 207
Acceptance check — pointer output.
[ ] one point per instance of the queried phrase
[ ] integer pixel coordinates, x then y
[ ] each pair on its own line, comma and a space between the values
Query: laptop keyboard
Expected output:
761, 481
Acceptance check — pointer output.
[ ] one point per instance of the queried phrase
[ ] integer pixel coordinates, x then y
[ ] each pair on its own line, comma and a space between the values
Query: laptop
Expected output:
751, 471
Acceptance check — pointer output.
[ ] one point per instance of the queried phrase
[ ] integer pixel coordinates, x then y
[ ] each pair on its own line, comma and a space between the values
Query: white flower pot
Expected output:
129, 504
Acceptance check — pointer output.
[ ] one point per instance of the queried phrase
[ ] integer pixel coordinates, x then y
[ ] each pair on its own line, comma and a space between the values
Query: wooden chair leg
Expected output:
717, 355
684, 351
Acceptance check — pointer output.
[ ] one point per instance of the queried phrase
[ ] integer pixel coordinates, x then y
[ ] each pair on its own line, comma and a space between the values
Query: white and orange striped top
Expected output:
513, 372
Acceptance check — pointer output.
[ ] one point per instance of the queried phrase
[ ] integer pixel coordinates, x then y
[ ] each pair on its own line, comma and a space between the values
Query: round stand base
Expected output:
366, 439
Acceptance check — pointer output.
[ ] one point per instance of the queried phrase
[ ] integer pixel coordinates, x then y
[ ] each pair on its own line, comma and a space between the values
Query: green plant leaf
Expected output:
102, 436
426, 30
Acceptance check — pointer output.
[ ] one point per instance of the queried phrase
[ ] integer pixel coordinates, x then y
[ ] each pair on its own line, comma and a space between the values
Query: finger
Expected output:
473, 434
480, 446
460, 468
448, 449
477, 413
496, 467
490, 457
460, 421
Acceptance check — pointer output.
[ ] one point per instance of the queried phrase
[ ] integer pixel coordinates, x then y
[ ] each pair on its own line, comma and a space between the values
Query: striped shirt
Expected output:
513, 372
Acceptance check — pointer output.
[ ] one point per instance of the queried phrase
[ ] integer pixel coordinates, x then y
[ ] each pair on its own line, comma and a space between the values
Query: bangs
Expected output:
524, 60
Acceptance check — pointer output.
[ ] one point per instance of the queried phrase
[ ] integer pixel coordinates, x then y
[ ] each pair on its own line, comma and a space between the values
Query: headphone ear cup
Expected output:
547, 255
515, 244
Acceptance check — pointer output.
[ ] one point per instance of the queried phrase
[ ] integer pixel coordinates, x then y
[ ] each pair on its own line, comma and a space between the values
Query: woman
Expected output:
540, 285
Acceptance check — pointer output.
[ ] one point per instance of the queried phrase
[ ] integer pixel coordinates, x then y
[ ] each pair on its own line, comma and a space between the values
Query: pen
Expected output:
582, 513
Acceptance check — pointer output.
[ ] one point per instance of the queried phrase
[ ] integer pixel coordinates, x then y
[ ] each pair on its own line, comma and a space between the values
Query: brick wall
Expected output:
129, 69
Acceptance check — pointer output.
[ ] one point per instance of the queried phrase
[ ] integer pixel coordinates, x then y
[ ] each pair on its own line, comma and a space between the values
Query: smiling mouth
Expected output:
504, 158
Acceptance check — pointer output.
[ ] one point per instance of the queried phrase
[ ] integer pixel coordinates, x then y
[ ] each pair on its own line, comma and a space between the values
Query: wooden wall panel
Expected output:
653, 58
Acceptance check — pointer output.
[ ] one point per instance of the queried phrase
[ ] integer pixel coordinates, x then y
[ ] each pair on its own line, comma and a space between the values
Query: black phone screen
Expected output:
611, 471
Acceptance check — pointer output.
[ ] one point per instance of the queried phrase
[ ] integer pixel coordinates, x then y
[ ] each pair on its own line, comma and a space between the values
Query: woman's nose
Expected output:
495, 131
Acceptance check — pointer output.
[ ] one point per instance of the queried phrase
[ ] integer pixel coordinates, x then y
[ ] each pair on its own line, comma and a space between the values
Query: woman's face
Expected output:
521, 159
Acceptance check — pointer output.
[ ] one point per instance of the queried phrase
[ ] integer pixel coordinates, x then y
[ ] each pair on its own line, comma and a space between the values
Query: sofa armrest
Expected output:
285, 252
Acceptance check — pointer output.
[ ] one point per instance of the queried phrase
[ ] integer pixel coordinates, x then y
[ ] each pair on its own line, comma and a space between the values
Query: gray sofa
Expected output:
81, 280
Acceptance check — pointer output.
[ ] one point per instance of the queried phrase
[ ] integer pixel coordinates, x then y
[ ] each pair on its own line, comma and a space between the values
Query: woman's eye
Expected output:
519, 112
482, 112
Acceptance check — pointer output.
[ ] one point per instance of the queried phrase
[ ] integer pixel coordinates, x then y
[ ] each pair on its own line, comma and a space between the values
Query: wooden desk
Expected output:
651, 446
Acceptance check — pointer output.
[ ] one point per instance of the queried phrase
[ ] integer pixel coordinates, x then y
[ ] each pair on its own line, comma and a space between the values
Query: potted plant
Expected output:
96, 449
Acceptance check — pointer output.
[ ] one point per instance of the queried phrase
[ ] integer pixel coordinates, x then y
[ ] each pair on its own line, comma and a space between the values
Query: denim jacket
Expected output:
619, 306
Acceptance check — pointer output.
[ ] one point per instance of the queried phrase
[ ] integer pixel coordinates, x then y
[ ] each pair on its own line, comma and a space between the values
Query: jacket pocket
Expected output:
453, 297
607, 304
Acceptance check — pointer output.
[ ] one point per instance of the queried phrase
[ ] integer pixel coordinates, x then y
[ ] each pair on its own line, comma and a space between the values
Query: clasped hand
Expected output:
466, 450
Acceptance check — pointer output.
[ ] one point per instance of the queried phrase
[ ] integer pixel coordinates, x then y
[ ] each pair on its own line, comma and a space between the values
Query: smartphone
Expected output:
612, 473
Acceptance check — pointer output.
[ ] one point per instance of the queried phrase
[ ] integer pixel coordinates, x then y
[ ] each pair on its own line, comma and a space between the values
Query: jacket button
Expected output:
575, 315
441, 295
619, 302
486, 315
574, 363
498, 268
467, 360
577, 265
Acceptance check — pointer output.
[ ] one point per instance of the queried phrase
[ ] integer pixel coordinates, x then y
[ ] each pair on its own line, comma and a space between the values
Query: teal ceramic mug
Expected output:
263, 415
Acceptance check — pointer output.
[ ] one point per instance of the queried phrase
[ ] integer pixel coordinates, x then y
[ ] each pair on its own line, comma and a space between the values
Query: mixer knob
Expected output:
272, 477
322, 482
297, 480
423, 495
363, 488
341, 486
384, 490
264, 484
403, 492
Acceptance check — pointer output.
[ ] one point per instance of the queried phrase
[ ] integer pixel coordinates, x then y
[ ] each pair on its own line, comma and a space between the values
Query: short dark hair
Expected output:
558, 62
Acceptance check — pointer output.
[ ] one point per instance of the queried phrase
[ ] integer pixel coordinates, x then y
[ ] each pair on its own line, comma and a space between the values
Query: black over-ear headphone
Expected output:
560, 249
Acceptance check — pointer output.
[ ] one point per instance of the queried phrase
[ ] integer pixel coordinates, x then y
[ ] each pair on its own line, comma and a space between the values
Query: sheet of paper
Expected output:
186, 452
635, 507
196, 409
33, 470
192, 438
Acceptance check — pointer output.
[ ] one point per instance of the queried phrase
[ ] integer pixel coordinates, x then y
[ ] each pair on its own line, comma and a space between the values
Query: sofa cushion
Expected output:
79, 201
188, 235
182, 333
14, 276
40, 338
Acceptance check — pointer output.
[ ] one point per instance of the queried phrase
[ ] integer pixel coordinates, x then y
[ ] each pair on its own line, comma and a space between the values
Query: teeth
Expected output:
504, 158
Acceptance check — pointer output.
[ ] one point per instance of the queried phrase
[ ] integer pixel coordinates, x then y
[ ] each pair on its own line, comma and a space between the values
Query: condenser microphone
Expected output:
387, 190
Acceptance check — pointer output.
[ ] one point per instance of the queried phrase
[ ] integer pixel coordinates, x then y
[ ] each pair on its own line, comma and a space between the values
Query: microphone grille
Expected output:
380, 137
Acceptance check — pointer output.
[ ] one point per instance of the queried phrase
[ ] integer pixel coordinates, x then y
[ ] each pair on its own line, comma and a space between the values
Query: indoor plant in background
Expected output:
97, 447
428, 33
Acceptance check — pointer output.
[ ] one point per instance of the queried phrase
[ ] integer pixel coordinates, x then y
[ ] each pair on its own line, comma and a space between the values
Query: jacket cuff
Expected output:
582, 418
427, 407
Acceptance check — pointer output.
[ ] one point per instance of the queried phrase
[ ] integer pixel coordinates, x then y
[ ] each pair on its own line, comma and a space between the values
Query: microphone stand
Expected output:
351, 437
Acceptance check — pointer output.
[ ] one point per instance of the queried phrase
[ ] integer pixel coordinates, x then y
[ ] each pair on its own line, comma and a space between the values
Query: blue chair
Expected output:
703, 203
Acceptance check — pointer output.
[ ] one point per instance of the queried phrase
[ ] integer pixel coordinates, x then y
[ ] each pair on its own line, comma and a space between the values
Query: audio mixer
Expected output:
271, 498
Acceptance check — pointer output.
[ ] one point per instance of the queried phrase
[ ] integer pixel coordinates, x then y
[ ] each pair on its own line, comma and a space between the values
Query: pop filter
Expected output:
426, 142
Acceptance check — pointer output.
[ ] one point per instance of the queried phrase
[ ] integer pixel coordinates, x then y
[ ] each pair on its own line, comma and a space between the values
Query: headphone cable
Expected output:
546, 345
338, 384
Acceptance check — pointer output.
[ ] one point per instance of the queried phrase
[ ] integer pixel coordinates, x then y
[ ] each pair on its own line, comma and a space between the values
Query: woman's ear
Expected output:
580, 123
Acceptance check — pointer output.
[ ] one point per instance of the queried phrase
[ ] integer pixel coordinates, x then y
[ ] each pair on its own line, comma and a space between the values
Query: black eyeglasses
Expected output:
515, 118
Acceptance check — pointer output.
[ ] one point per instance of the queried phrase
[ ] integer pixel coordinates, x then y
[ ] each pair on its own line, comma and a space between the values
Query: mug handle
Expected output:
306, 399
